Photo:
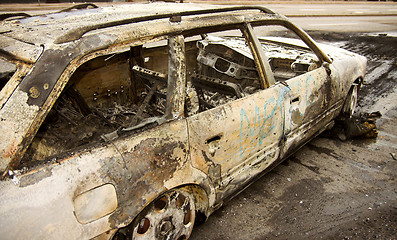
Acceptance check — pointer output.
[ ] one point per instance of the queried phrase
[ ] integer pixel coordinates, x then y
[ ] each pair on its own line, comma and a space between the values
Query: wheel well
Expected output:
200, 199
359, 81
201, 204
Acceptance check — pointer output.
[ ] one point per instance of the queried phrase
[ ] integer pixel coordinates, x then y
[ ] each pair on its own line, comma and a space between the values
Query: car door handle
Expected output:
216, 138
213, 144
295, 100
327, 68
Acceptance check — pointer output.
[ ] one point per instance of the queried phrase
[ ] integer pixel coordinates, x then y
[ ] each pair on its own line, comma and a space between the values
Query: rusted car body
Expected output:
135, 117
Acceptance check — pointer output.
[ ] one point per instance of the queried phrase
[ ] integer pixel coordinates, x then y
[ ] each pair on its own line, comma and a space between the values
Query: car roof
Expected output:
64, 27
47, 28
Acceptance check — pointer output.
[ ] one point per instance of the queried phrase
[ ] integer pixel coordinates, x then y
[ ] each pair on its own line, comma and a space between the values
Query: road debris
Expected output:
362, 126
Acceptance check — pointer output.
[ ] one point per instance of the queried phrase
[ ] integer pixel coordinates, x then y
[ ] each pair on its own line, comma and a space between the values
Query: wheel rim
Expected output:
169, 217
351, 102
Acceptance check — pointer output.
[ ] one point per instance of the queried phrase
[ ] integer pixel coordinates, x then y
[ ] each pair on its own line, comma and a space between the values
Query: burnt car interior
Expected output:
128, 90
104, 95
220, 73
287, 62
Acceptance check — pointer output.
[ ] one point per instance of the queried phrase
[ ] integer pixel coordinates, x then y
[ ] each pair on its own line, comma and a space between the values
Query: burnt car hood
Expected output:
333, 52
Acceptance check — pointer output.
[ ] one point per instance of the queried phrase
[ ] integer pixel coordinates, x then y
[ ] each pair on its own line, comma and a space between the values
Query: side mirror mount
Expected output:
327, 68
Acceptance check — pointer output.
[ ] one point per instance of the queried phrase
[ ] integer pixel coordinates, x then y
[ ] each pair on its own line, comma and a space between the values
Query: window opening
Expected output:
220, 68
286, 61
106, 97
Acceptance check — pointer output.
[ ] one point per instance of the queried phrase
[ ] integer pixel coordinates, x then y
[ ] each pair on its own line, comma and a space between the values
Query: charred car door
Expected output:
308, 107
312, 89
239, 124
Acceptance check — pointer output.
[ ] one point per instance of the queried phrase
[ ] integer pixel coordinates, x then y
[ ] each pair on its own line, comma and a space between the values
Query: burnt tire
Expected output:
171, 216
350, 103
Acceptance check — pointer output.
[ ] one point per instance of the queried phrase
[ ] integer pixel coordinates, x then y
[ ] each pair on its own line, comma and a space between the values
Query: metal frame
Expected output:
77, 33
264, 68
4, 16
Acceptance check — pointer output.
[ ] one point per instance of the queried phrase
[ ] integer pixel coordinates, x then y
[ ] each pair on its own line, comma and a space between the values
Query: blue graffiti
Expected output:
308, 78
259, 122
298, 84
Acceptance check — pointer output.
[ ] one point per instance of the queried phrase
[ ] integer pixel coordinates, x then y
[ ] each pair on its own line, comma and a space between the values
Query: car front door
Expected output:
308, 107
298, 64
232, 142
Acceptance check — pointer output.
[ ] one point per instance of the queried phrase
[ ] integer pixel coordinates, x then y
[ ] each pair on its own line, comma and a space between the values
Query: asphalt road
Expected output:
341, 17
288, 8
362, 24
335, 9
322, 8
333, 16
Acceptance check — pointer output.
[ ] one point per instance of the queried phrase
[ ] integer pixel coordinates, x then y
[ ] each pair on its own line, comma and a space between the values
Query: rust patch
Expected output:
214, 170
40, 83
34, 92
11, 151
297, 117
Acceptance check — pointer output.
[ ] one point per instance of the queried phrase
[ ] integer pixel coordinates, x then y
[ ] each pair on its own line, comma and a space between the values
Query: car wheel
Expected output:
350, 103
171, 216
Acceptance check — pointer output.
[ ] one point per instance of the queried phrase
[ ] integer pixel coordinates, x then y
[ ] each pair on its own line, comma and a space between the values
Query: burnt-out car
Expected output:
138, 120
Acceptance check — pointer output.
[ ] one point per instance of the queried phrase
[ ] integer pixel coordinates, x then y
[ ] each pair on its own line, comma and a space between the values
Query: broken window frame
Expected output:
265, 72
176, 86
302, 35
262, 56
266, 76
253, 43
265, 33
65, 77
